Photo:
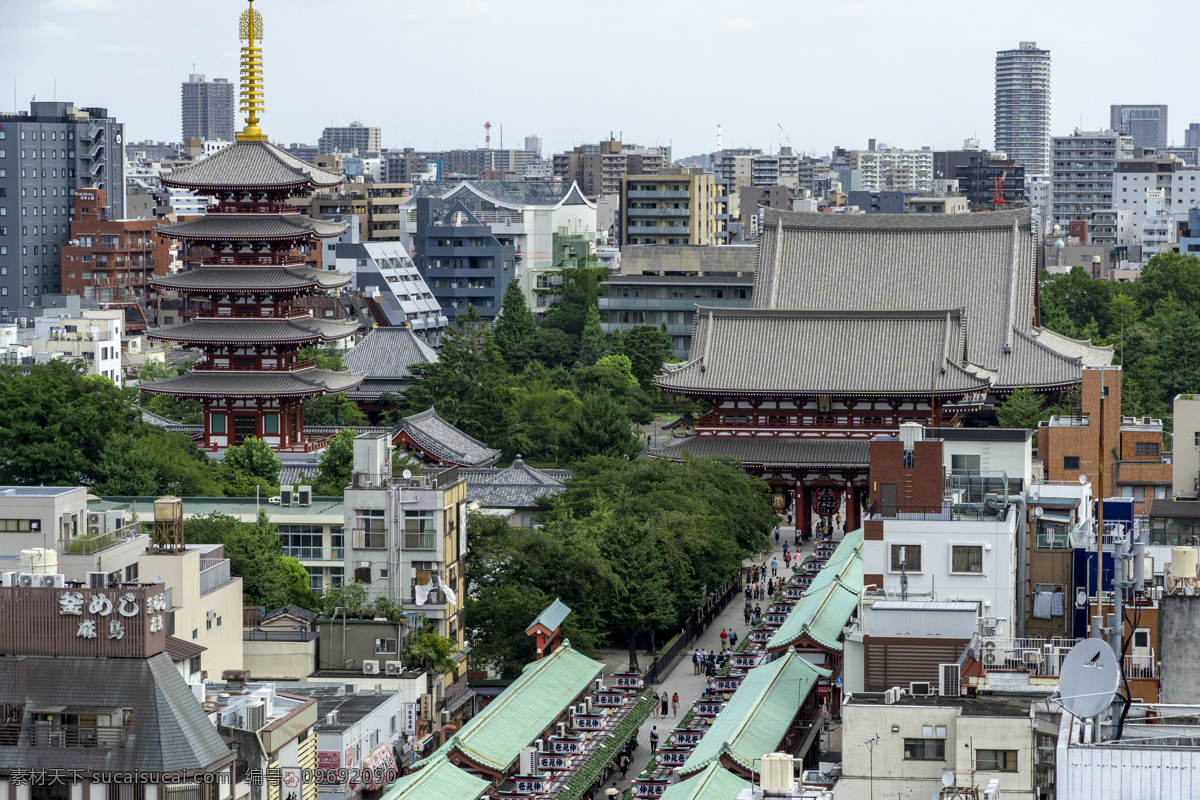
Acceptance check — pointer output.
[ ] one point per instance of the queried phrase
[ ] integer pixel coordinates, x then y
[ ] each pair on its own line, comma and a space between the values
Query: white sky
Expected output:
835, 72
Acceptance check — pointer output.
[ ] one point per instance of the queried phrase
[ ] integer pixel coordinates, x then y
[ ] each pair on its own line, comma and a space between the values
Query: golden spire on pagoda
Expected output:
250, 31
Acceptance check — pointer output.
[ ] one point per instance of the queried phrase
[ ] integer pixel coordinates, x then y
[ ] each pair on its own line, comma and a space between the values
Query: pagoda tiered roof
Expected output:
234, 330
249, 278
251, 227
440, 440
250, 165
230, 383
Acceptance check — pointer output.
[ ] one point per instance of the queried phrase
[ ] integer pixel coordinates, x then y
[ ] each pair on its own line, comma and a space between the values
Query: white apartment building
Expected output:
1083, 165
901, 170
385, 272
1023, 107
93, 338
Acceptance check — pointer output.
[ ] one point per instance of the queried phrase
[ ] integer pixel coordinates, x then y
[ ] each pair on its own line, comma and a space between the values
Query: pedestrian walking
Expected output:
733, 639
675, 705
664, 702
745, 616
787, 559
758, 609
748, 589
695, 662
653, 738
623, 763
777, 536
724, 638
774, 566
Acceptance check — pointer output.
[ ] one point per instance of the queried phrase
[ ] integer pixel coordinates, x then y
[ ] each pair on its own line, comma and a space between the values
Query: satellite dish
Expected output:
947, 779
407, 474
1088, 678
1037, 512
1083, 480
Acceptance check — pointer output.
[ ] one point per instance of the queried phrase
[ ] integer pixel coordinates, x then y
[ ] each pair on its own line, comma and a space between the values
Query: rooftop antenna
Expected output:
1088, 679
487, 135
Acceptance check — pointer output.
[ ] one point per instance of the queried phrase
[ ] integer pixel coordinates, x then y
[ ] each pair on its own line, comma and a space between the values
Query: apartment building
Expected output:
45, 155
899, 170
477, 163
1023, 107
207, 109
381, 209
679, 206
1083, 165
403, 166
463, 262
598, 169
665, 283
1146, 124
93, 338
355, 139
384, 273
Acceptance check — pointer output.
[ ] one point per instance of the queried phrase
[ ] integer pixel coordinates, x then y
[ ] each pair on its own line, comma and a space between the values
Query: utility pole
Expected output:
1098, 620
870, 745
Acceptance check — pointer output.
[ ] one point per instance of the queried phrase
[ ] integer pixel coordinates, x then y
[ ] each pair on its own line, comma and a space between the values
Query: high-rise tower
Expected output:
207, 109
251, 380
1023, 107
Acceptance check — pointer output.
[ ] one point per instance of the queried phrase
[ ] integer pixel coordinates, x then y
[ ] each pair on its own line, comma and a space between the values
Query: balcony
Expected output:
657, 230
214, 573
658, 212
661, 194
1142, 665
49, 734
669, 303
95, 543
420, 540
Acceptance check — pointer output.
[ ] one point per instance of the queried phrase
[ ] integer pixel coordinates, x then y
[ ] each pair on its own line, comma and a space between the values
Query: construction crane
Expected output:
785, 134
998, 193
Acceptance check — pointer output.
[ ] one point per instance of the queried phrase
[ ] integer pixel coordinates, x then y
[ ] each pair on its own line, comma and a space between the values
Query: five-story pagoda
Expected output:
251, 380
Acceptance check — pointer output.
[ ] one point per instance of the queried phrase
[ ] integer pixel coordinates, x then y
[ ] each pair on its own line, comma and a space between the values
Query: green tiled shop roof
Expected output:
756, 718
494, 737
442, 780
552, 616
712, 783
829, 601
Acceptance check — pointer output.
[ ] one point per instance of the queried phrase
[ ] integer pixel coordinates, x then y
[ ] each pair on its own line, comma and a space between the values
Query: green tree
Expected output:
325, 358
336, 466
622, 364
468, 384
333, 409
591, 340
580, 291
431, 652
612, 376
598, 426
554, 347
1024, 408
253, 551
647, 348
153, 461
514, 329
255, 458
299, 588
55, 422
156, 371
182, 410
349, 599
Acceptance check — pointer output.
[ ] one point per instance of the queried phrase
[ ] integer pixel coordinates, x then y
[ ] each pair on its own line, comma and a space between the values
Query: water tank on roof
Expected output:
39, 560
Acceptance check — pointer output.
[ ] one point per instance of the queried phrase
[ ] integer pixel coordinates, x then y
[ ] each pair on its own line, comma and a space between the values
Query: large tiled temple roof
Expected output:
244, 278
518, 486
226, 227
239, 331
444, 442
875, 352
984, 263
388, 353
250, 164
219, 383
772, 450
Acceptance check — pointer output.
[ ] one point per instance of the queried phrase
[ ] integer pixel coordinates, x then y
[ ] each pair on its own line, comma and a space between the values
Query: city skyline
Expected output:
868, 98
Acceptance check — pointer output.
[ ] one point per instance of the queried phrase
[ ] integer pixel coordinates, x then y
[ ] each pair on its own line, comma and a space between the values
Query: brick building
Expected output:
112, 260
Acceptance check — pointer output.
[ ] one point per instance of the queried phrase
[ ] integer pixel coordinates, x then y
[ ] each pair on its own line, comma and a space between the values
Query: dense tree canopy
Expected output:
253, 550
515, 327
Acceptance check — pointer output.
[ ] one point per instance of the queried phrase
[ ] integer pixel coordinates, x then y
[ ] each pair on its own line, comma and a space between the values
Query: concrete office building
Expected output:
403, 166
354, 138
900, 170
1082, 167
665, 283
1146, 124
207, 108
533, 144
678, 206
478, 163
1023, 106
47, 154
462, 262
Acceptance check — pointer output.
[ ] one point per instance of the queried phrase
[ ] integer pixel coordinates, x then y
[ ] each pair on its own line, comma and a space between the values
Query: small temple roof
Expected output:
442, 441
252, 226
552, 616
984, 263
250, 164
757, 717
217, 383
441, 780
388, 353
493, 738
772, 450
237, 330
874, 352
242, 278
518, 486
714, 782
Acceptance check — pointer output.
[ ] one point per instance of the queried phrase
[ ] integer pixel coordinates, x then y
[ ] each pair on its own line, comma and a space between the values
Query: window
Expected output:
131, 573
925, 749
218, 422
371, 528
1146, 448
385, 647
419, 530
1071, 462
966, 558
964, 464
909, 554
271, 423
908, 459
1141, 637
996, 760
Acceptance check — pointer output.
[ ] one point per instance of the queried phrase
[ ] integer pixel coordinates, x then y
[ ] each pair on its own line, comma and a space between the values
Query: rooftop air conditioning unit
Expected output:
93, 530
921, 689
331, 718
54, 580
370, 667
951, 680
393, 667
9, 578
304, 493
286, 493
561, 729
97, 580
27, 580
445, 717
93, 519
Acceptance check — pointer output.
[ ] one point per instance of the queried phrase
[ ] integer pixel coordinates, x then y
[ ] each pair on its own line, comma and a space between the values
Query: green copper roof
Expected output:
829, 601
755, 719
552, 616
494, 737
714, 782
442, 780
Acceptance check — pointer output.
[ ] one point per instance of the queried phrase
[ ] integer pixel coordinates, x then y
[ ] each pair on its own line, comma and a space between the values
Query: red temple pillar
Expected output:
853, 516
803, 523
